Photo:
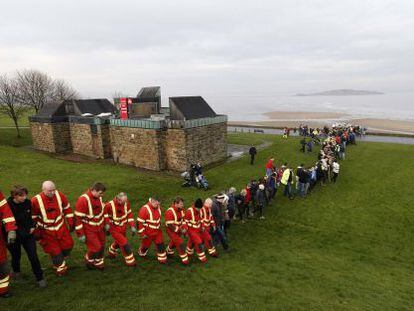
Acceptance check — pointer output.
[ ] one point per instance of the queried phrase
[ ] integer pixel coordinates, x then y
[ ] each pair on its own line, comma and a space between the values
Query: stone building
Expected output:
155, 138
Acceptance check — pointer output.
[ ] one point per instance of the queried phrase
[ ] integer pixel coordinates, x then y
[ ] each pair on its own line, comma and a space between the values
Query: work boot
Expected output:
6, 295
42, 283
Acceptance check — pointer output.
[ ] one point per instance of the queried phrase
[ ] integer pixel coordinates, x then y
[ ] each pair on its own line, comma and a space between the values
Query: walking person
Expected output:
335, 170
21, 208
261, 200
252, 152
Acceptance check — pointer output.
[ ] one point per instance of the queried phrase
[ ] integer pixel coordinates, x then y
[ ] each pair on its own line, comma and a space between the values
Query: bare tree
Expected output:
62, 91
36, 89
9, 100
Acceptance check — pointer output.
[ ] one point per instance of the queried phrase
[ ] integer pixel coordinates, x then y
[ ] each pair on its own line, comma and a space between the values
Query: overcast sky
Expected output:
212, 47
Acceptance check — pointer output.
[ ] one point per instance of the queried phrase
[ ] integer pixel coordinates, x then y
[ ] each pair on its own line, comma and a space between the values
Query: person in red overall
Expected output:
89, 214
6, 217
149, 226
54, 218
117, 215
193, 220
208, 225
176, 228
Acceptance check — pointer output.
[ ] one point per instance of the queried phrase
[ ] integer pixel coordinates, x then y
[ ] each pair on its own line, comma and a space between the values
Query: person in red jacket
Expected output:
89, 214
6, 217
117, 215
270, 167
54, 219
176, 228
149, 226
193, 221
208, 225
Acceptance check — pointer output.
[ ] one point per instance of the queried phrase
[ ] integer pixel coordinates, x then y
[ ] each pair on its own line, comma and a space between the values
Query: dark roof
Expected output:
151, 93
52, 109
94, 106
190, 107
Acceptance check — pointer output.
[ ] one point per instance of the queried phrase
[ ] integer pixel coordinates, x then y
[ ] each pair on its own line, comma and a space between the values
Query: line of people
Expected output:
49, 220
261, 192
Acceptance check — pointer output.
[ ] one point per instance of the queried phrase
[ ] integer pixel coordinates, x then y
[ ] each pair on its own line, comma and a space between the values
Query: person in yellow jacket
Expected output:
287, 181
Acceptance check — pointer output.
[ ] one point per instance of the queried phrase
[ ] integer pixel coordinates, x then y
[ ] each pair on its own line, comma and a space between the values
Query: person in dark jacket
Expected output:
218, 211
21, 209
252, 152
261, 200
240, 203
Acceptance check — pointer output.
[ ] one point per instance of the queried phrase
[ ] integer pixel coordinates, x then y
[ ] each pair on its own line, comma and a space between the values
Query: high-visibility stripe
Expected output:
114, 217
3, 202
91, 215
69, 215
66, 207
78, 227
8, 219
51, 228
79, 214
130, 256
42, 208
4, 283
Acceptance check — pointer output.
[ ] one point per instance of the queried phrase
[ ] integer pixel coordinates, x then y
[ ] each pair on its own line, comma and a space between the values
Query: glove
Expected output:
82, 239
133, 230
11, 237
106, 228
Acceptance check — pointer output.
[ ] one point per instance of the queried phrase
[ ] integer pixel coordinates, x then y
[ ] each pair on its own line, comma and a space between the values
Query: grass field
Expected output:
346, 247
23, 121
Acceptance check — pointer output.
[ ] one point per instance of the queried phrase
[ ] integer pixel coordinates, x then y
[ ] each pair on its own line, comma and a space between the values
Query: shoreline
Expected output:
281, 119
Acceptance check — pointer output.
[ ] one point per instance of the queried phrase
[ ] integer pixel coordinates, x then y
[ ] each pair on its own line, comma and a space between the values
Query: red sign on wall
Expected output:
124, 108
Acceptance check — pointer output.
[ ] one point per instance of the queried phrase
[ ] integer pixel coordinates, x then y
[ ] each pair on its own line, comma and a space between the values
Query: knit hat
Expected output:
198, 203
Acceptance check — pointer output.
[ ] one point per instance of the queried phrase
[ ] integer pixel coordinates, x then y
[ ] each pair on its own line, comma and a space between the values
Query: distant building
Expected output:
140, 133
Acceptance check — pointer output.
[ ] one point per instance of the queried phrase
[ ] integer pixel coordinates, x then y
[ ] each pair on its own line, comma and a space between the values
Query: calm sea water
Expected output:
399, 106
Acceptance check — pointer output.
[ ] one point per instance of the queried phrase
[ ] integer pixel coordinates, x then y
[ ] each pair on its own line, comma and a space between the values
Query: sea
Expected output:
250, 107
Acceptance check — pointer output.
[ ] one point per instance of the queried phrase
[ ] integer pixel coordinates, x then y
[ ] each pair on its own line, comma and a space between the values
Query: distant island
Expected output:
341, 92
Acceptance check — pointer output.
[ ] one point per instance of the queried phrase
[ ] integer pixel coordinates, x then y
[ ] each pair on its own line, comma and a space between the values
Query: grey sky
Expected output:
212, 47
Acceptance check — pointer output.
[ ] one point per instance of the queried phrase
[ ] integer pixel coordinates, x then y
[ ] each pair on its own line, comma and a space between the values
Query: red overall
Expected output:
207, 222
149, 226
90, 223
6, 217
118, 216
50, 213
193, 221
175, 227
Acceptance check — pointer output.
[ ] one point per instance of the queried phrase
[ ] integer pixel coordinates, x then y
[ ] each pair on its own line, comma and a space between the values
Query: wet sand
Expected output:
318, 119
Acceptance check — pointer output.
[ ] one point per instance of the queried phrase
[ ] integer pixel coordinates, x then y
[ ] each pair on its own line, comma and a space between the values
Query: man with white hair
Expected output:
117, 215
55, 220
208, 226
149, 226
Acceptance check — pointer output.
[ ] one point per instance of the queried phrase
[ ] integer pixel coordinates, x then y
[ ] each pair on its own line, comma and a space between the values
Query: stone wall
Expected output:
153, 149
138, 147
51, 137
91, 140
206, 144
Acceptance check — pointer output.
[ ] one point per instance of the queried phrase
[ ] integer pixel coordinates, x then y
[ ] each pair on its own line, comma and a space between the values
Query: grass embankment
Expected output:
348, 246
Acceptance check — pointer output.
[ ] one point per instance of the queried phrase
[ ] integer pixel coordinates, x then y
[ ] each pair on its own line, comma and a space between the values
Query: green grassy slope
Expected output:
346, 247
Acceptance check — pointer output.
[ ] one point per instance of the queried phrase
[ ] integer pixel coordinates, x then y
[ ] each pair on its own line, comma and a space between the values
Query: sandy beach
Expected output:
318, 119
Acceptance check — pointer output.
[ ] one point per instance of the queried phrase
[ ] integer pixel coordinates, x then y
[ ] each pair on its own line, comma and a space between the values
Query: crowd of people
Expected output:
301, 181
48, 219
